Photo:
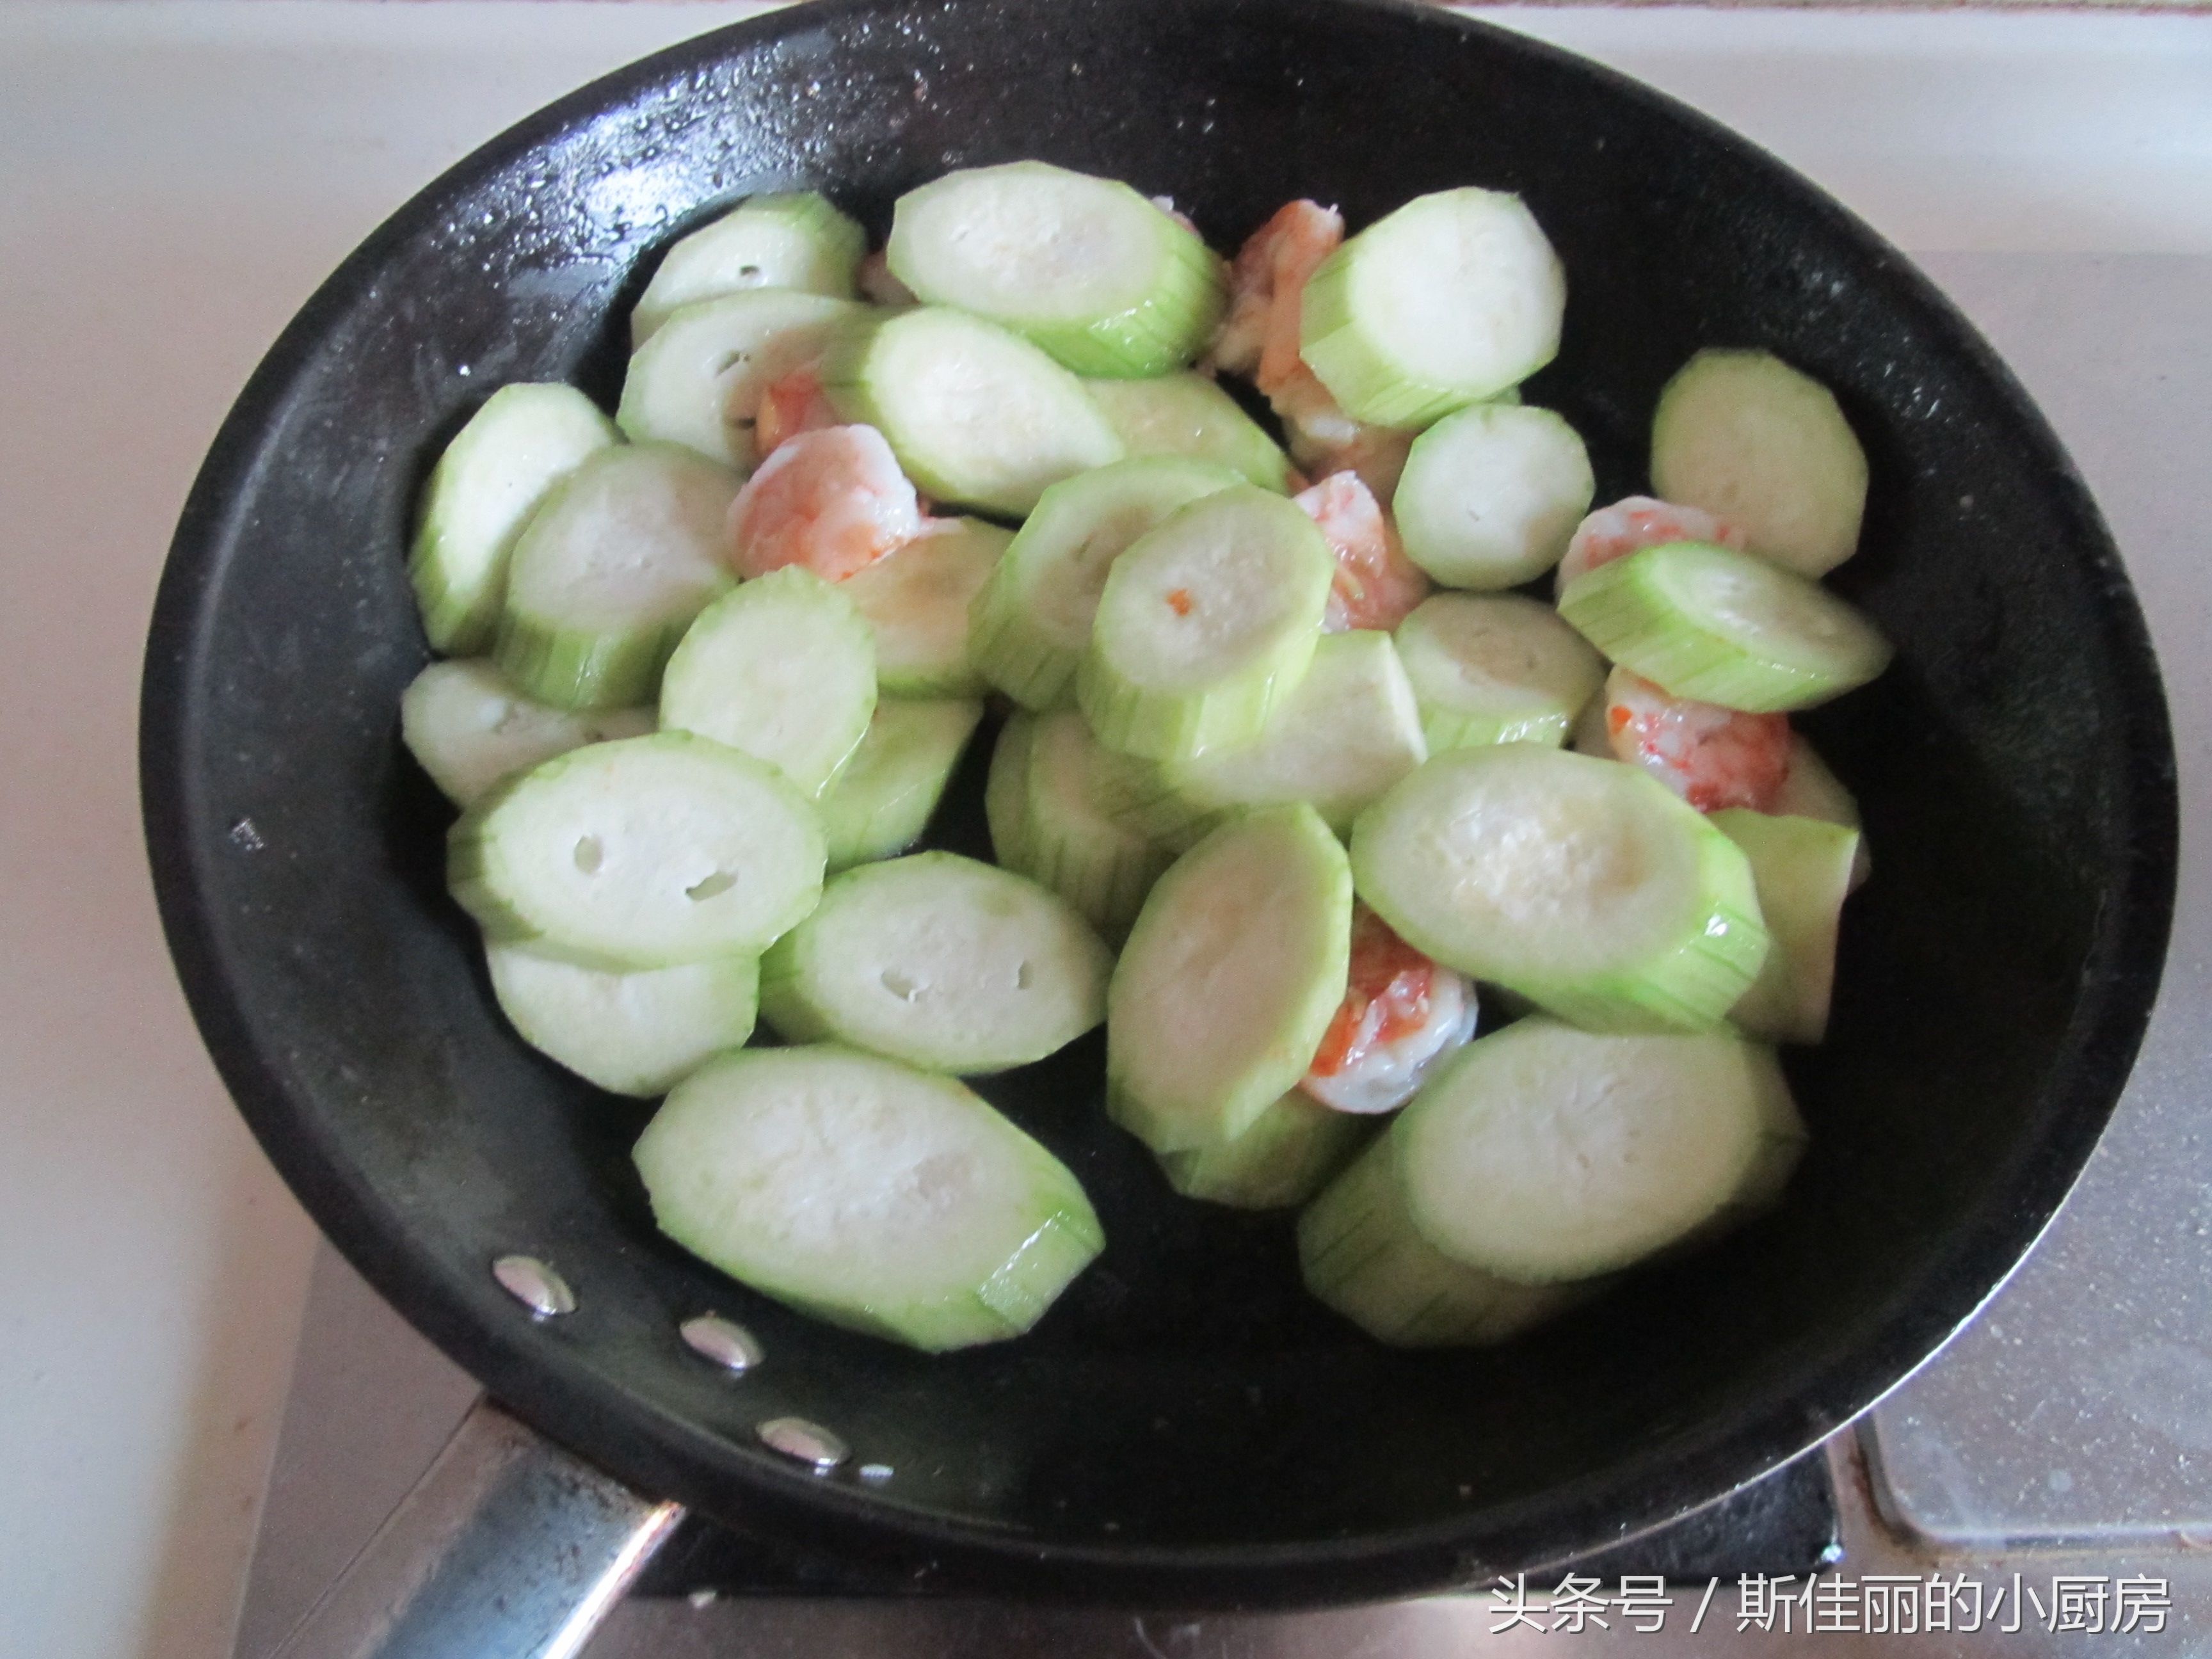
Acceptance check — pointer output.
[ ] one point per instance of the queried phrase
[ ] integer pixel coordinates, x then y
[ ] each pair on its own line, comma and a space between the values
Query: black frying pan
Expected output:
1186, 1426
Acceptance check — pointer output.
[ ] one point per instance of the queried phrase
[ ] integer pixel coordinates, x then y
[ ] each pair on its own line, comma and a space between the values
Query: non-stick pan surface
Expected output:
1186, 1425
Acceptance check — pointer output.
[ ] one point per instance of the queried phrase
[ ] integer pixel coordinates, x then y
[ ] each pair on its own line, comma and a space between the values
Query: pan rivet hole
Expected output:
535, 1285
725, 1341
804, 1441
589, 854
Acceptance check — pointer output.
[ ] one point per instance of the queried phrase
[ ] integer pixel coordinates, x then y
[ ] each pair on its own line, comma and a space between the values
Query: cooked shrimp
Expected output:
1267, 290
878, 285
1376, 585
1401, 1014
1323, 439
1634, 523
833, 501
791, 403
1710, 757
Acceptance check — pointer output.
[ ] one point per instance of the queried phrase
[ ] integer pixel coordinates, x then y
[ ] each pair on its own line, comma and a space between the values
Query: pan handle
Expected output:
507, 1548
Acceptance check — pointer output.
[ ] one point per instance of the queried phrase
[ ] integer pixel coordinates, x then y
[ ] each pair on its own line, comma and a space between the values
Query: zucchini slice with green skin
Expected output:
1190, 416
610, 572
1204, 625
1451, 299
793, 241
639, 853
867, 1193
1360, 1253
941, 961
1032, 622
1752, 440
637, 1032
1496, 668
1491, 495
1069, 838
977, 415
1006, 793
1089, 270
1803, 869
880, 803
1725, 628
1547, 1155
1810, 790
783, 669
1229, 979
917, 601
469, 728
1284, 1157
1346, 733
492, 476
698, 380
1584, 885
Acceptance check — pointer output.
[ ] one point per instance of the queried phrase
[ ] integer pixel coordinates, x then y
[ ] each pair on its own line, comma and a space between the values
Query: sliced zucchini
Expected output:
610, 572
1547, 1155
1725, 628
1204, 625
1359, 1252
1006, 793
1087, 267
1746, 437
782, 669
880, 803
1069, 838
1451, 299
1496, 668
863, 1192
1189, 415
640, 853
1283, 1157
698, 380
977, 415
1810, 790
1345, 734
793, 240
917, 601
1582, 884
469, 728
940, 962
1803, 870
492, 476
1032, 622
1229, 979
1491, 495
636, 1032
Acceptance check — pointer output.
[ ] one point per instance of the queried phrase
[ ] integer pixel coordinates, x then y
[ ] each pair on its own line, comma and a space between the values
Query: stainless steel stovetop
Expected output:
2053, 1467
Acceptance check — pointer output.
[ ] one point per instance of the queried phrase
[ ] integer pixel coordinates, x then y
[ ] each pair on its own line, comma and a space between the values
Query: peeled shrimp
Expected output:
876, 281
1376, 585
1634, 523
1323, 439
832, 500
1710, 757
1266, 289
791, 403
1401, 1014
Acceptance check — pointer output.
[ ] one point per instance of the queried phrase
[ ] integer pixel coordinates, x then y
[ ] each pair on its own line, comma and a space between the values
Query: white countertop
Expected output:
178, 179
